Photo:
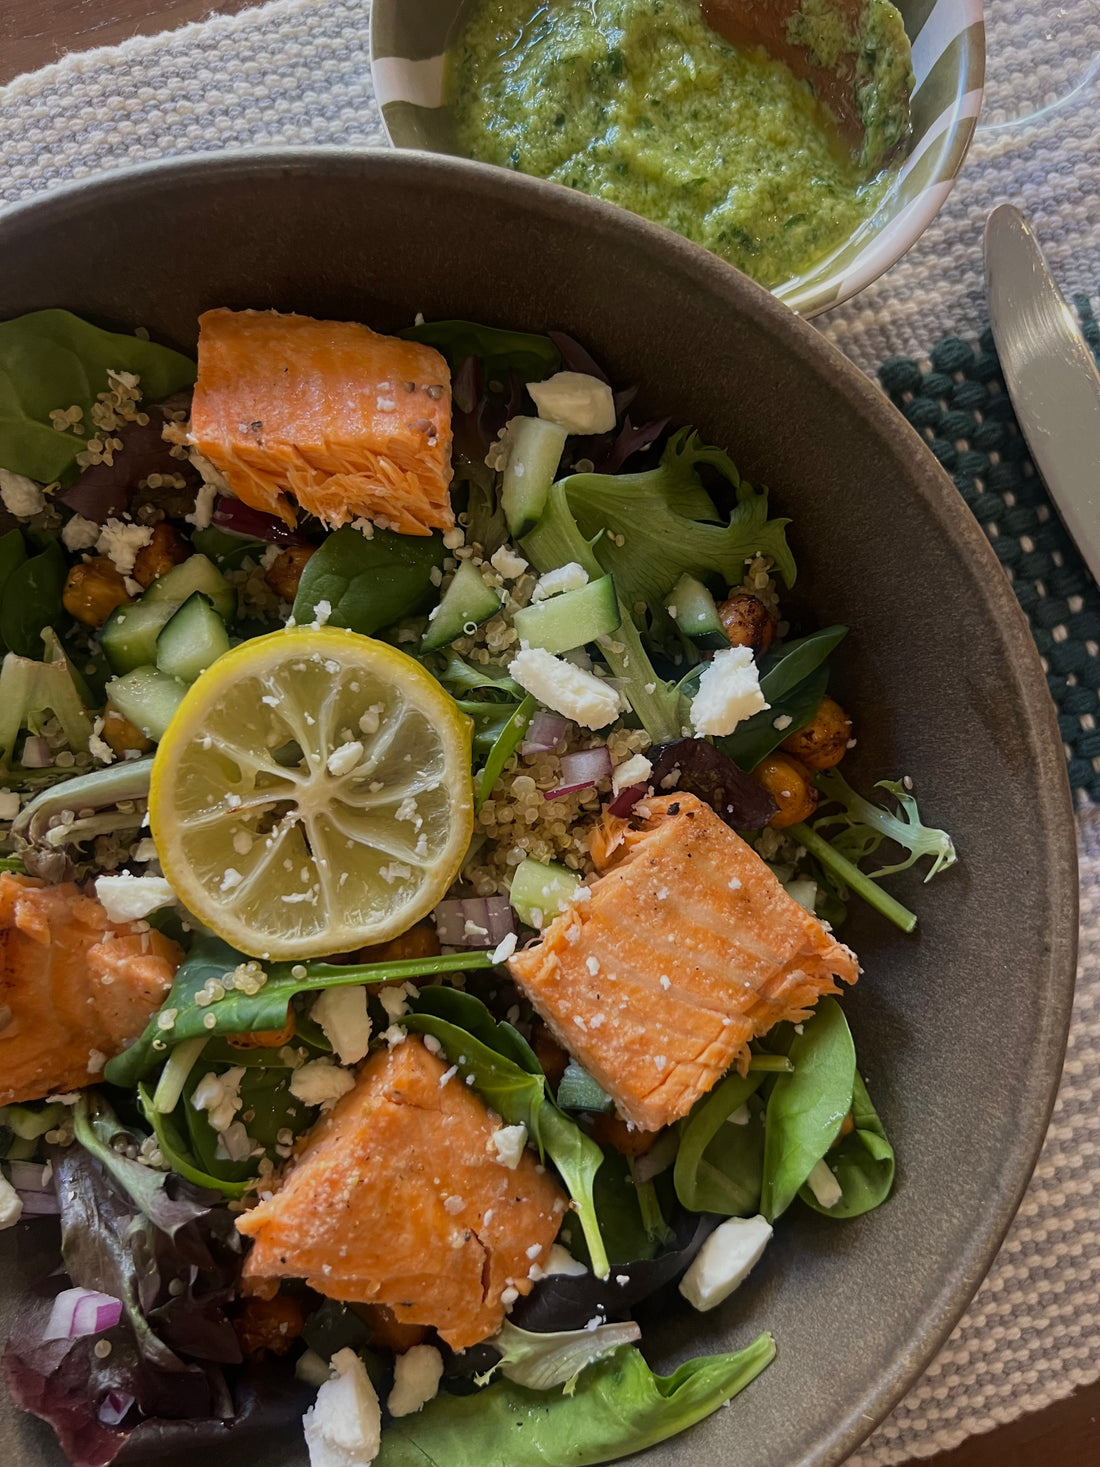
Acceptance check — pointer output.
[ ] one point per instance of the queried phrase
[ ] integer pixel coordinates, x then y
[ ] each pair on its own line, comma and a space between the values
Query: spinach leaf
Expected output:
175, 1149
807, 1108
862, 1162
622, 1226
467, 1012
227, 551
52, 359
521, 1098
31, 601
240, 1012
13, 553
718, 1166
490, 721
619, 1407
460, 676
531, 357
368, 584
507, 742
793, 681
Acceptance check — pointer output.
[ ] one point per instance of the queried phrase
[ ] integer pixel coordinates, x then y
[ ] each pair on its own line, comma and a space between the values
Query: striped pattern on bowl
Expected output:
409, 40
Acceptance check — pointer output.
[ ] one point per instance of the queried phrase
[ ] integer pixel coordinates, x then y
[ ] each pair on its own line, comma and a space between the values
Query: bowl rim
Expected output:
1037, 728
883, 247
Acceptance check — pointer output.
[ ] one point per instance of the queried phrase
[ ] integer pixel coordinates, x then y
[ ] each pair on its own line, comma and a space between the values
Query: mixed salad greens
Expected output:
631, 555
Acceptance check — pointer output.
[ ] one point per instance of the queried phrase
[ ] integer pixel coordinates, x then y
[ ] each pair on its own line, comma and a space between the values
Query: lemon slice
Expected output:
312, 794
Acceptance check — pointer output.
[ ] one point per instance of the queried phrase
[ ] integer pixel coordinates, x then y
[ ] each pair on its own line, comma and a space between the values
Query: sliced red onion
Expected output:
78, 1312
36, 753
39, 1204
115, 1407
626, 799
582, 770
476, 922
237, 518
544, 732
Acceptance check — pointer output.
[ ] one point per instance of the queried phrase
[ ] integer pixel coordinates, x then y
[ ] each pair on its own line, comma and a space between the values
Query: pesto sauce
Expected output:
640, 103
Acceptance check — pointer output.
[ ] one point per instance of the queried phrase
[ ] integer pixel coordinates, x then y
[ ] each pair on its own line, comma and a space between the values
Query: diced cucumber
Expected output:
148, 698
692, 608
578, 1091
129, 637
534, 451
196, 573
193, 639
466, 603
563, 622
29, 1124
541, 890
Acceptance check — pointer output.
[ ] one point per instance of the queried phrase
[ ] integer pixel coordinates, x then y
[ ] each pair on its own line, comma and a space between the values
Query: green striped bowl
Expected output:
409, 40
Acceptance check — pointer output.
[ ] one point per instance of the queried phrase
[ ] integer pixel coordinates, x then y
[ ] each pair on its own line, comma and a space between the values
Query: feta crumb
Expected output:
507, 563
203, 512
578, 402
79, 534
120, 543
565, 689
725, 1260
392, 998
504, 948
344, 759
630, 772
783, 721
343, 1427
823, 1184
219, 1096
128, 898
569, 577
370, 720
342, 1014
454, 539
510, 1143
416, 1377
21, 496
96, 1060
9, 804
321, 613
11, 1204
729, 692
320, 1082
734, 883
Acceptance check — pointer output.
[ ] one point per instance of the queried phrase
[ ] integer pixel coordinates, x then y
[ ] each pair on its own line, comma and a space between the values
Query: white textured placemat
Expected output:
297, 71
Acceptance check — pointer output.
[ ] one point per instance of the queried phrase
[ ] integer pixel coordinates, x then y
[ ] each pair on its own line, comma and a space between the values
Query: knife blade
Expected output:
1050, 375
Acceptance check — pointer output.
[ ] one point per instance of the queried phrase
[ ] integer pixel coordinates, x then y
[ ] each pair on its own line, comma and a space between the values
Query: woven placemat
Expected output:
297, 71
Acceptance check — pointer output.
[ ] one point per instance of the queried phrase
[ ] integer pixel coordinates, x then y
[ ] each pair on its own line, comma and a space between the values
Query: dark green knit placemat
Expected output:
961, 408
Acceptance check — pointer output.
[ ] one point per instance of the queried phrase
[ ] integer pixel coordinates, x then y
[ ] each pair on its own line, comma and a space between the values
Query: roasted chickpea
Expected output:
163, 551
823, 742
121, 735
93, 590
269, 1325
387, 1331
285, 571
265, 1038
747, 621
612, 1130
419, 942
790, 785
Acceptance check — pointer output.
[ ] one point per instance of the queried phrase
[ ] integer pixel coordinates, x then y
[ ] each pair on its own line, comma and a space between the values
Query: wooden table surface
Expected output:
36, 32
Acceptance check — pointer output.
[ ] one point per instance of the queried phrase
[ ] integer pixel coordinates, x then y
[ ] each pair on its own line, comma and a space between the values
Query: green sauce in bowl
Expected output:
640, 103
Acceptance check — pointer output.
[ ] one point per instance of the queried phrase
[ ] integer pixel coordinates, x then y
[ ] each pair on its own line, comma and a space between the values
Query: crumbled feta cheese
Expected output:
203, 512
344, 759
509, 1144
632, 771
343, 1427
566, 689
11, 1204
569, 577
729, 692
578, 402
416, 1377
79, 534
504, 948
234, 1143
219, 1096
507, 563
9, 804
782, 722
342, 1014
725, 1260
558, 1260
823, 1184
120, 543
21, 496
320, 1082
128, 898
321, 613
454, 539
207, 472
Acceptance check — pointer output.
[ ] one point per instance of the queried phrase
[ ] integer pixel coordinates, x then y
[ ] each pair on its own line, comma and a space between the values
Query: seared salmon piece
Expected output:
75, 987
352, 424
399, 1198
686, 948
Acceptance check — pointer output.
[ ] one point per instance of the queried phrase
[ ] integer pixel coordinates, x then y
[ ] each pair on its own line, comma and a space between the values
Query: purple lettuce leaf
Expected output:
103, 491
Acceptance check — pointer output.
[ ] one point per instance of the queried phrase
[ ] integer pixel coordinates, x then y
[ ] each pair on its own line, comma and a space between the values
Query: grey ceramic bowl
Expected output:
409, 40
961, 1027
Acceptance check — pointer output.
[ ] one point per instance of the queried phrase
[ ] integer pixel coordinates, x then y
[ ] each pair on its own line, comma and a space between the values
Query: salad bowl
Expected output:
962, 1024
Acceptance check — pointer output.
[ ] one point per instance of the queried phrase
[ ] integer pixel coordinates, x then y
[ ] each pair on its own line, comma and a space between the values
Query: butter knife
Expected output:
1050, 375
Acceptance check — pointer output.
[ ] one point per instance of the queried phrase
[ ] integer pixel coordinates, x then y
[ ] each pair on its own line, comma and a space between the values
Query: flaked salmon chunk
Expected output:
400, 1198
686, 949
349, 423
75, 987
